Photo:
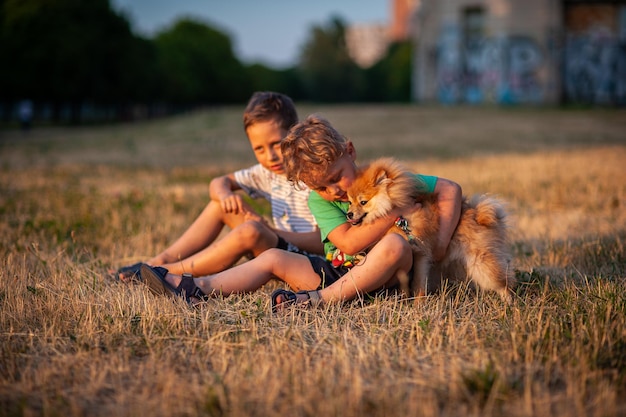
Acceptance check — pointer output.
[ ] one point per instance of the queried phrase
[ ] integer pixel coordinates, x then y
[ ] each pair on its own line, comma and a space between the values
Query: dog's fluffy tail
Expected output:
489, 211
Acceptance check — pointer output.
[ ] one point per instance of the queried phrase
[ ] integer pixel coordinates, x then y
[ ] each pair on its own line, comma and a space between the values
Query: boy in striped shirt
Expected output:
267, 119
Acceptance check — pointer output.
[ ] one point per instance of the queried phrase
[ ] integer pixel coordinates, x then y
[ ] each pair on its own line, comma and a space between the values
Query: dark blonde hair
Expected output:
310, 148
265, 106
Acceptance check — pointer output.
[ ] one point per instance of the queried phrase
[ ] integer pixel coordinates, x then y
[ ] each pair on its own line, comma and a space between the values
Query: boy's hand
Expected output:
233, 203
251, 215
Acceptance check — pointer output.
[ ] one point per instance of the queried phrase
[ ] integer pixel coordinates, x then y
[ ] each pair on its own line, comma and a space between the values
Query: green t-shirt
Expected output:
331, 214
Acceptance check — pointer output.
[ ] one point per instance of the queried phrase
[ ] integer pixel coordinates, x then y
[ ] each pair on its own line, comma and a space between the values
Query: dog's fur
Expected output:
478, 250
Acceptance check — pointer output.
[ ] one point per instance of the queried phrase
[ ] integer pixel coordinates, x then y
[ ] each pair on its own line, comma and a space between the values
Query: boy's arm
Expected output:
354, 239
221, 189
308, 241
449, 197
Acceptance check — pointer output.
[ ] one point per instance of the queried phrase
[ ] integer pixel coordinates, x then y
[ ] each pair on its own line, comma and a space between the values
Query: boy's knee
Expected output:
396, 246
271, 255
252, 232
213, 206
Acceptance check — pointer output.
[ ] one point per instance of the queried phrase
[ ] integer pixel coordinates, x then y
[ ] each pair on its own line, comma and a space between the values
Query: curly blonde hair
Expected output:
310, 148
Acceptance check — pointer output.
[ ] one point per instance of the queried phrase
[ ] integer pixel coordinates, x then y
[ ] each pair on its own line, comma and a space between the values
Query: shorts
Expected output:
289, 247
330, 274
327, 272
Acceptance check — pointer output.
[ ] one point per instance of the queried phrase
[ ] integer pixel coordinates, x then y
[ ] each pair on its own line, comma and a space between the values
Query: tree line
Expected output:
74, 57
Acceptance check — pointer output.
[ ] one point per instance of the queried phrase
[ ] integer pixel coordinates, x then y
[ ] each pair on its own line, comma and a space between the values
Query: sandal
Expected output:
130, 273
292, 298
154, 277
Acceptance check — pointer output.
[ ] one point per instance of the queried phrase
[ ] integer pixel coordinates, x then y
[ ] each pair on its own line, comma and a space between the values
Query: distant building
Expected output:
520, 51
401, 12
367, 43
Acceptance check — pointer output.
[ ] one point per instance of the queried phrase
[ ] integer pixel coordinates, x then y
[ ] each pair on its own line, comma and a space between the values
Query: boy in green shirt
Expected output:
331, 214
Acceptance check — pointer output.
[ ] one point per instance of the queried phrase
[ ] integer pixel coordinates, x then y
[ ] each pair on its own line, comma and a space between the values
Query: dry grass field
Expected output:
73, 342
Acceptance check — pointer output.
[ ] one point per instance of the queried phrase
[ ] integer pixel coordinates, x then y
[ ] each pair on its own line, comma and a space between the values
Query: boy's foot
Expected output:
128, 274
282, 298
177, 286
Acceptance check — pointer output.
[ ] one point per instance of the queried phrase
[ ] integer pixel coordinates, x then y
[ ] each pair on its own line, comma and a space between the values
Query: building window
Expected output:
473, 24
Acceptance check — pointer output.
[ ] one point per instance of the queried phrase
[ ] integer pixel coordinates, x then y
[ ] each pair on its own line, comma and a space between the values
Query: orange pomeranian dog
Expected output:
478, 250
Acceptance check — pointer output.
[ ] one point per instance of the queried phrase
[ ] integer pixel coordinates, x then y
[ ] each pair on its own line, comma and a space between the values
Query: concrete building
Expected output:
519, 51
367, 43
400, 24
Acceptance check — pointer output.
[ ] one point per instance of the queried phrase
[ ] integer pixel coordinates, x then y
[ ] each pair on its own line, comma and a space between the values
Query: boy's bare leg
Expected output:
295, 269
202, 232
250, 237
389, 257
381, 267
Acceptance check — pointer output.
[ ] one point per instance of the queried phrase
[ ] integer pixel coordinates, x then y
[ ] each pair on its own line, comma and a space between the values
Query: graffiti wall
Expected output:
585, 60
594, 59
500, 70
595, 69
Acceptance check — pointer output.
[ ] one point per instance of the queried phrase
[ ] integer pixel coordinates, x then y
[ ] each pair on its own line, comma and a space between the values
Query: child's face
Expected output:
265, 138
334, 184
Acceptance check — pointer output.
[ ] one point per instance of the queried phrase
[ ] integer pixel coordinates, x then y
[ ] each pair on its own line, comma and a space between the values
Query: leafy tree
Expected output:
143, 79
199, 64
75, 52
287, 81
328, 72
64, 51
390, 78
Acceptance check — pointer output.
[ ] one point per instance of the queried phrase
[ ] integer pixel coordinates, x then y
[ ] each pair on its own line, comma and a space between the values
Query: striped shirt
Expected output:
290, 210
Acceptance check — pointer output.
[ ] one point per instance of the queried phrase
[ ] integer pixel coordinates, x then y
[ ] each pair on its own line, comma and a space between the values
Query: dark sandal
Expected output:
129, 273
154, 277
291, 298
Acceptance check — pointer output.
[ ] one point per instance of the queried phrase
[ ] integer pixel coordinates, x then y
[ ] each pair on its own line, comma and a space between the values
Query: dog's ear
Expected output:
381, 177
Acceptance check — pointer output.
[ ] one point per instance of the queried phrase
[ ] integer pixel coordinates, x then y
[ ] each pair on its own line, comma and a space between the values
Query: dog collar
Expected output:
403, 225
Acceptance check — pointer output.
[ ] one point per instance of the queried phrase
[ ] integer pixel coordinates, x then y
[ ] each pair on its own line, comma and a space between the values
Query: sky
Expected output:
267, 31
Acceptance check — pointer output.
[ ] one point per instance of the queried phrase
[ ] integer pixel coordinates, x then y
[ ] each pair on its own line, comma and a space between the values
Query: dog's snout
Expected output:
350, 215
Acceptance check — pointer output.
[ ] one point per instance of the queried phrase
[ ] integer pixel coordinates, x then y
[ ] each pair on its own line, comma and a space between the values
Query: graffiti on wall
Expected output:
595, 68
501, 70
507, 69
